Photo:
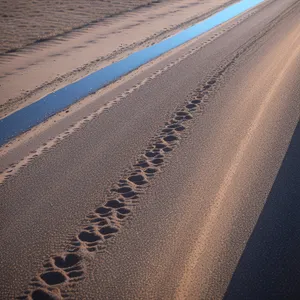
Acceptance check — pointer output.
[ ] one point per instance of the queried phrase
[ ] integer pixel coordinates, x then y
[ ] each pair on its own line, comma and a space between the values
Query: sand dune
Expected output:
23, 22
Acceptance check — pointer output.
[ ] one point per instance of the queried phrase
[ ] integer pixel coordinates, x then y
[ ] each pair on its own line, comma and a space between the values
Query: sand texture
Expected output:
157, 196
37, 70
23, 22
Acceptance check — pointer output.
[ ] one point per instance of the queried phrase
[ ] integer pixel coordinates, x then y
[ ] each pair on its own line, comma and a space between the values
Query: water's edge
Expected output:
37, 112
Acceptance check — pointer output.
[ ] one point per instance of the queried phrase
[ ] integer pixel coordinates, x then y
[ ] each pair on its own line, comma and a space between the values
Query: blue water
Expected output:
51, 104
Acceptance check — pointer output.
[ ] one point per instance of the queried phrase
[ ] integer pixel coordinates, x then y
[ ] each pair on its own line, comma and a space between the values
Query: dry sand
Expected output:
218, 116
181, 231
23, 22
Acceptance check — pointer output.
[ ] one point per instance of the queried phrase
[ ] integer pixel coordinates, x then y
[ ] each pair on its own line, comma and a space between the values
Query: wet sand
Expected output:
157, 196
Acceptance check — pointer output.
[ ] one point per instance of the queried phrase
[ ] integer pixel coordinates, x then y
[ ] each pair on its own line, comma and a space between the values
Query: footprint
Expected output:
106, 220
68, 261
40, 294
53, 278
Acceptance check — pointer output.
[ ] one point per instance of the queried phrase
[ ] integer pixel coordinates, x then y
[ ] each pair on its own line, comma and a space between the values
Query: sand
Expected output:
37, 70
181, 231
219, 115
23, 22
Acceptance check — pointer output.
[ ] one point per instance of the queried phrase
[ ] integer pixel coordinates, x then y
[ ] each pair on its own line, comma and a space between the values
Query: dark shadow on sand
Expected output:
269, 267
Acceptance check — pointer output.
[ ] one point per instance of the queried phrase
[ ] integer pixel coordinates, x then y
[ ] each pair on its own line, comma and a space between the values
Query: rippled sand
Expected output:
23, 22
